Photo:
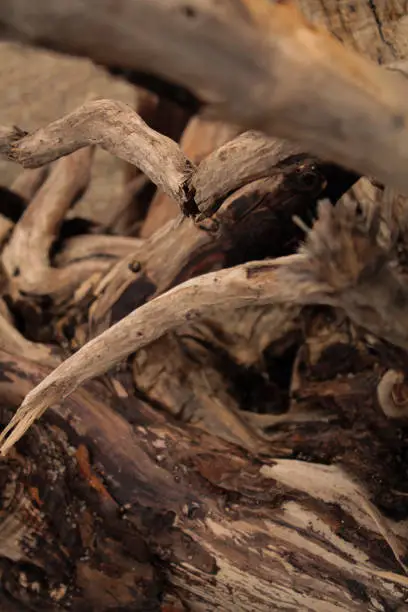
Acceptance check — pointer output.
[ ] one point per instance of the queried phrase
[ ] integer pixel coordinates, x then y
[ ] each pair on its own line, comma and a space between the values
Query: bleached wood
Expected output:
263, 64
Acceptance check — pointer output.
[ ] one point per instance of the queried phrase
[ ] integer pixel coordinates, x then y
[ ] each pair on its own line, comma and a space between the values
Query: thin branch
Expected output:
248, 222
199, 139
115, 127
342, 265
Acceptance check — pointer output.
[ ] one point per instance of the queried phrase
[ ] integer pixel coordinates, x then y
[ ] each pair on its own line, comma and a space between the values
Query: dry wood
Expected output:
85, 247
26, 256
11, 341
167, 118
28, 182
343, 265
194, 385
255, 221
247, 157
286, 533
199, 139
200, 190
233, 288
376, 29
117, 128
264, 63
126, 495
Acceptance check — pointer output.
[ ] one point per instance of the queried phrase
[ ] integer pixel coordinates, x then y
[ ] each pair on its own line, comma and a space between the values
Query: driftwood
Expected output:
217, 383
261, 64
200, 138
223, 397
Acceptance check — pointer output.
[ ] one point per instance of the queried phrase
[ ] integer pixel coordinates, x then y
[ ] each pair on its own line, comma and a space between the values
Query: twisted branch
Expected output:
114, 126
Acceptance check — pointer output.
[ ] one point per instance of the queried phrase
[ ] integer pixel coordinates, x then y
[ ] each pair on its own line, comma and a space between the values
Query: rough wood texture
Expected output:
181, 516
226, 530
263, 64
250, 452
343, 265
376, 29
167, 118
34, 234
200, 139
128, 137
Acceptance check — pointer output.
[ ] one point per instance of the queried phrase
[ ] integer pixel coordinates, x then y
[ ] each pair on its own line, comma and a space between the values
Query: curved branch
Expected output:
244, 285
26, 256
84, 247
28, 182
248, 157
14, 343
341, 265
199, 139
115, 127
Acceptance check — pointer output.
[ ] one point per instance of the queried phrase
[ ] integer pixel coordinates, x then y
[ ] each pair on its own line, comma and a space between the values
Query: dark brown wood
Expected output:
132, 507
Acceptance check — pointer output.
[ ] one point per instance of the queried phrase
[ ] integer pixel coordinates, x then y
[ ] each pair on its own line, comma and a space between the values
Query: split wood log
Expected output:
262, 63
179, 513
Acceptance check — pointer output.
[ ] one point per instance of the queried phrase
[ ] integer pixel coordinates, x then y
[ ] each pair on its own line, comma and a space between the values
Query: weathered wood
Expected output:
246, 158
167, 118
174, 509
115, 127
343, 264
375, 29
254, 222
85, 247
26, 256
264, 65
115, 501
27, 183
199, 139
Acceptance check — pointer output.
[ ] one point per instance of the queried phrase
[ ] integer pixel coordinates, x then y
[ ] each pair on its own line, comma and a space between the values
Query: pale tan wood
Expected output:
263, 64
